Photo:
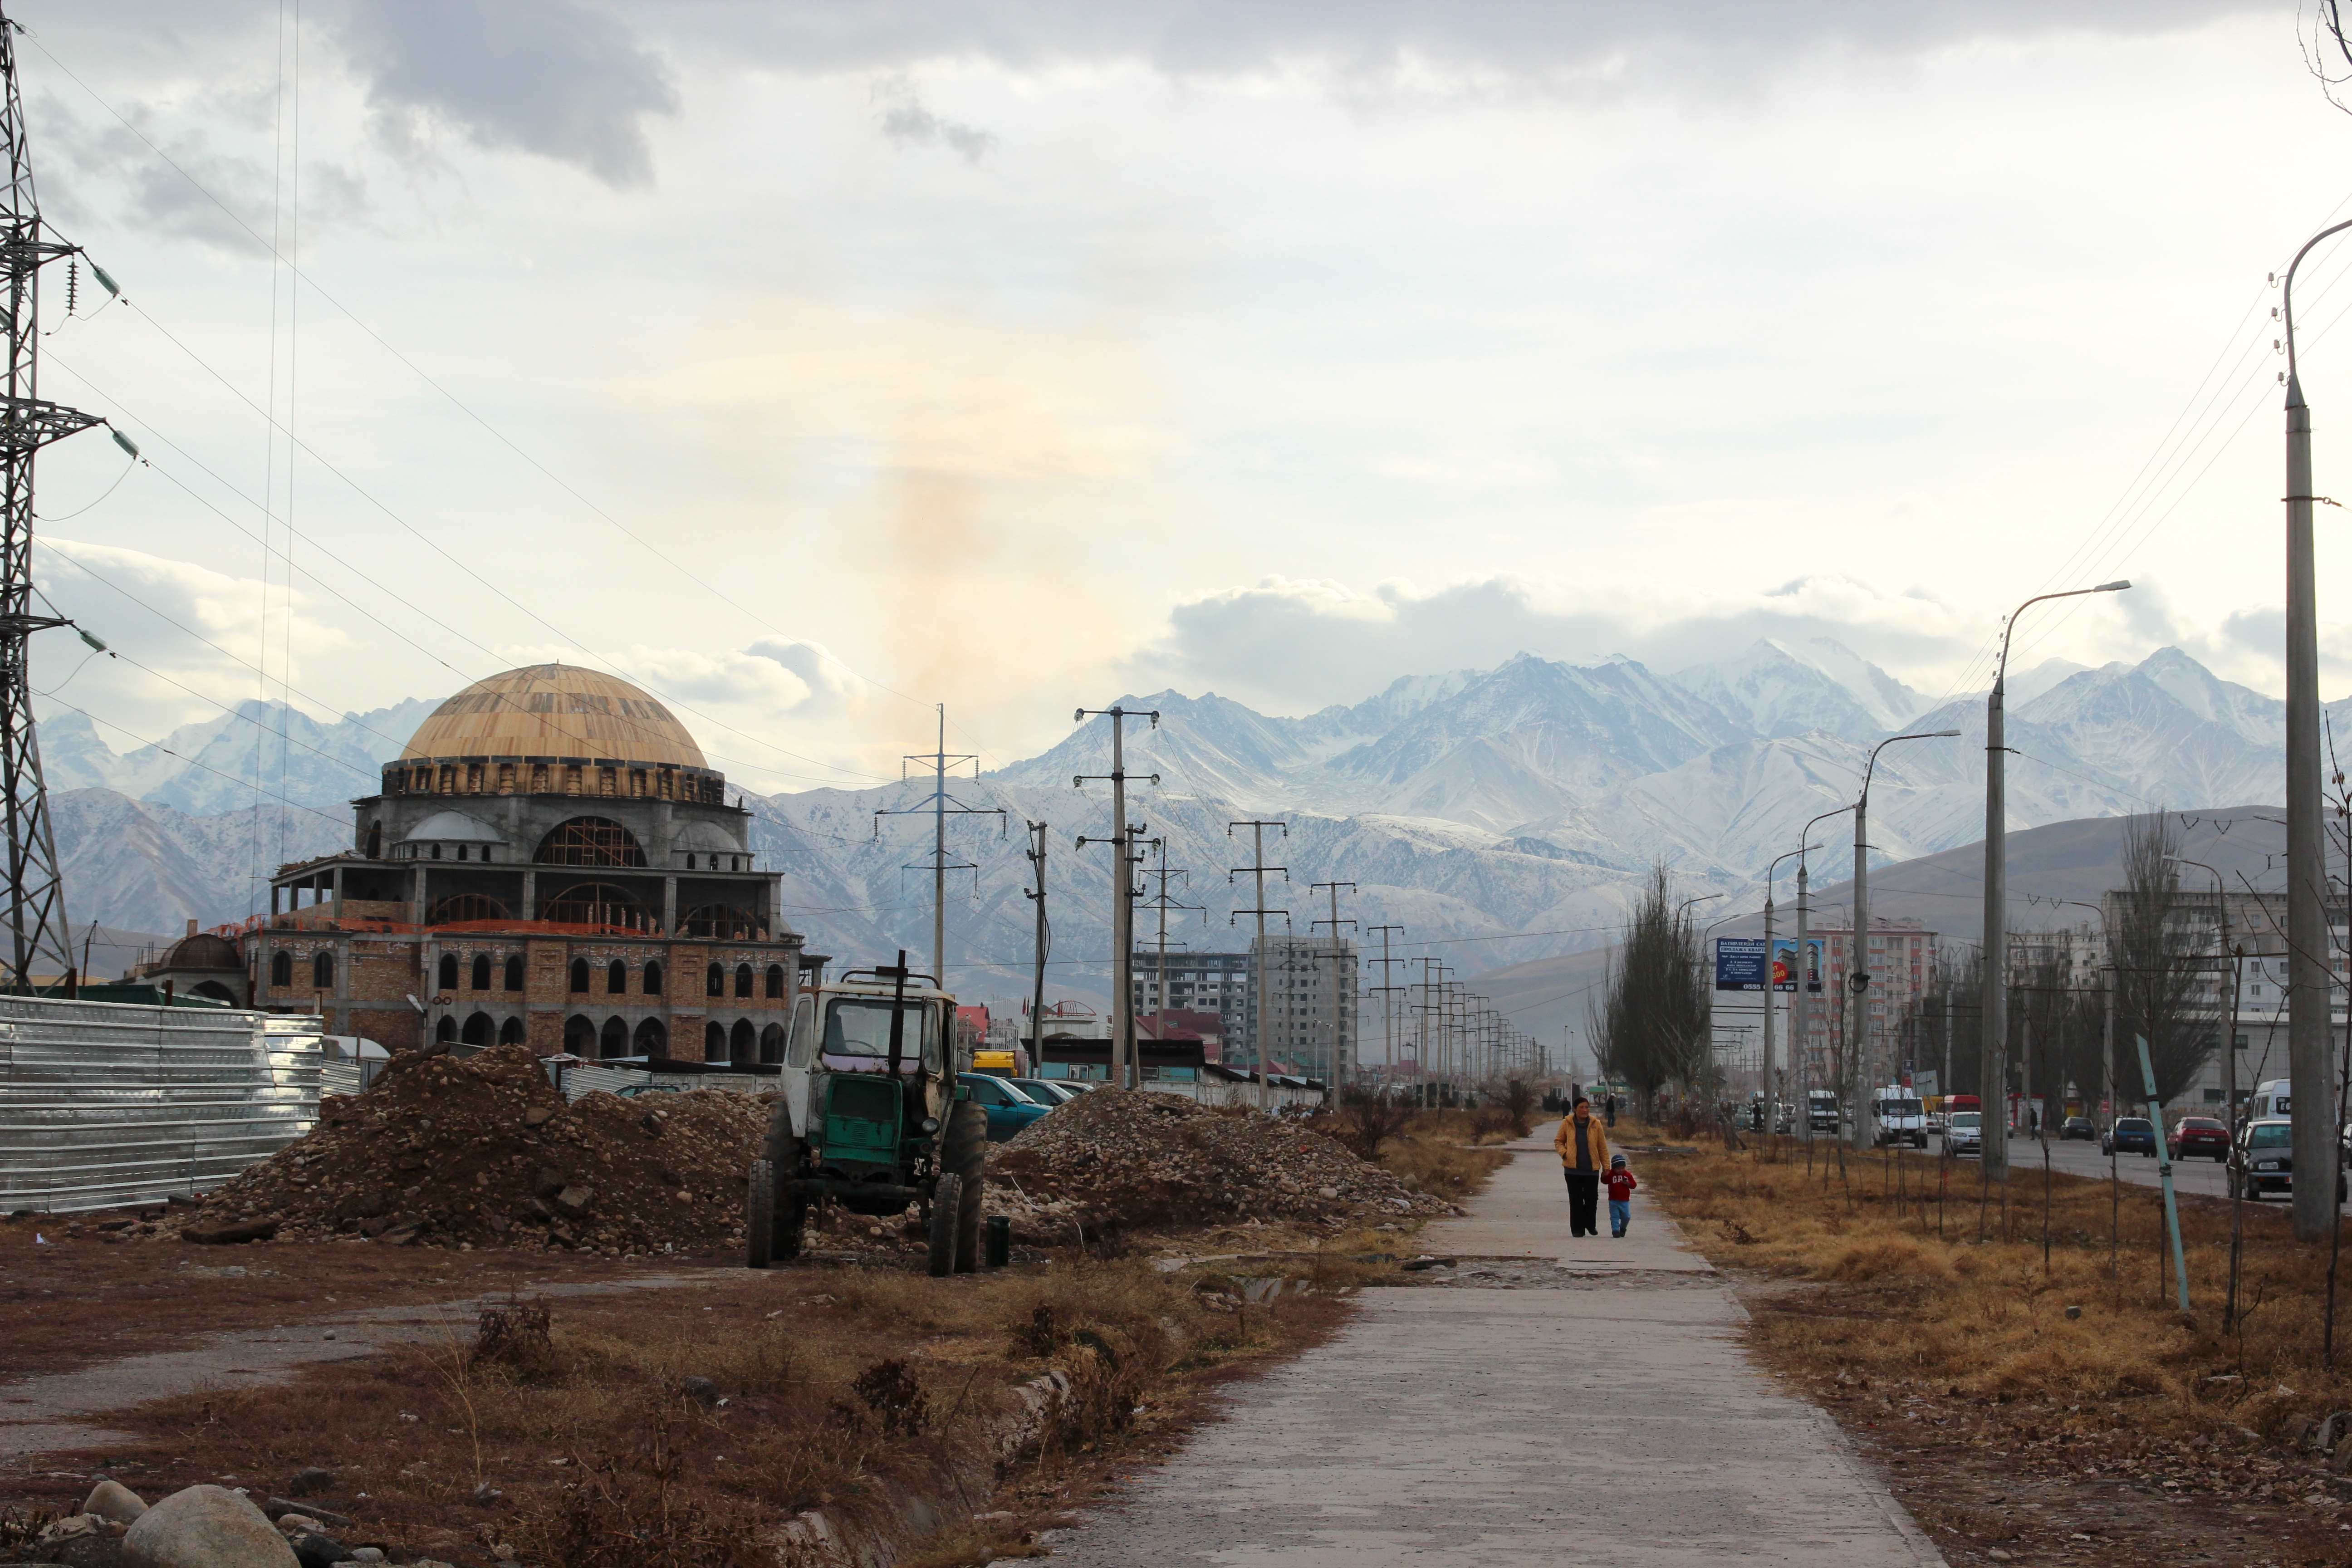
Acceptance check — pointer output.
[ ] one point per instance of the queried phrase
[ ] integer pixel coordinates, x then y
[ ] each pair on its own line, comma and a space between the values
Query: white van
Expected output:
1902, 1119
2273, 1098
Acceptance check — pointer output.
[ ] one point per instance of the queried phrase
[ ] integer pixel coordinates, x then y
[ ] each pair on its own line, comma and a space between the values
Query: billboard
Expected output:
1784, 963
1739, 964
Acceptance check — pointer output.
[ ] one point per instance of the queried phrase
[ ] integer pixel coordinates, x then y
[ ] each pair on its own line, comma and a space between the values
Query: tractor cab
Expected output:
871, 1117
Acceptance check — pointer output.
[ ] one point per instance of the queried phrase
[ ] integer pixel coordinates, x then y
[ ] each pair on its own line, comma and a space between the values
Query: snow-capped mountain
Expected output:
1509, 813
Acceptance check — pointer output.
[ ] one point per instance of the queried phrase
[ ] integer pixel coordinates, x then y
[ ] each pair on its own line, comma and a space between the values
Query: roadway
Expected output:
2206, 1178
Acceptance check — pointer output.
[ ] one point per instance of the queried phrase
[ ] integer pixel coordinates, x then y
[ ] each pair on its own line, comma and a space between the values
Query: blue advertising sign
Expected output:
1739, 964
1784, 963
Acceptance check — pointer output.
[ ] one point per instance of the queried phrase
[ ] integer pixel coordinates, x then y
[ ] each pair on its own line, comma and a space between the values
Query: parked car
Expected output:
1046, 1091
2130, 1135
2198, 1135
2265, 1161
1964, 1134
1009, 1109
2081, 1127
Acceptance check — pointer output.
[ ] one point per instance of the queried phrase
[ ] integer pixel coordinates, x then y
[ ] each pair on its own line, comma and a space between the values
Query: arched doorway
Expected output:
447, 1029
743, 1044
580, 1036
614, 1041
481, 1029
771, 1045
213, 989
714, 1042
510, 1033
653, 1040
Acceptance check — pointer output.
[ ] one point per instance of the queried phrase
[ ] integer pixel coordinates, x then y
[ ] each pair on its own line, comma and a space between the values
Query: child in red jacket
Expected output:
1620, 1195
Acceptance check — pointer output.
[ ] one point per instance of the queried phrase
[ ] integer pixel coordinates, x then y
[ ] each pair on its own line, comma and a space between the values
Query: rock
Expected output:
537, 1115
310, 1480
293, 1525
575, 1197
701, 1390
205, 1527
2071, 1313
230, 1233
279, 1508
2340, 1461
72, 1527
112, 1499
367, 1555
487, 1494
401, 1235
1425, 1262
314, 1550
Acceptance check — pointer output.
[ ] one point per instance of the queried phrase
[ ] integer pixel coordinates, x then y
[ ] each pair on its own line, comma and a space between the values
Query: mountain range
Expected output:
1505, 814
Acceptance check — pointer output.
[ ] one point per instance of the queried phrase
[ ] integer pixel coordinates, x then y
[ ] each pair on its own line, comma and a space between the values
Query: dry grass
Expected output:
825, 1388
1913, 1297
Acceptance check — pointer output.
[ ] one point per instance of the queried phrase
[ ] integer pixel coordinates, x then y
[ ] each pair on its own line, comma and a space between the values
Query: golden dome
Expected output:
554, 711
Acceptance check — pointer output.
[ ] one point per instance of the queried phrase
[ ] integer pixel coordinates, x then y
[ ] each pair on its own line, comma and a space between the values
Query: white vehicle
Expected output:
1902, 1117
1822, 1109
1964, 1134
2274, 1098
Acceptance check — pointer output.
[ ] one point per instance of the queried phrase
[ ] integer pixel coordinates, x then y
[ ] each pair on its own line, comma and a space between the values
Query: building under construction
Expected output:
550, 861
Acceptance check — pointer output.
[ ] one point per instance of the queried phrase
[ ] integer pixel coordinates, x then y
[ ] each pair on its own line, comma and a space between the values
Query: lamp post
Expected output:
1799, 1034
2230, 1079
2309, 1002
1858, 973
1772, 1088
1993, 1046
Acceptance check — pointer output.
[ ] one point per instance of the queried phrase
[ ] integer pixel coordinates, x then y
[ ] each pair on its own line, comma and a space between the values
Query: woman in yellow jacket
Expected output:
1583, 1145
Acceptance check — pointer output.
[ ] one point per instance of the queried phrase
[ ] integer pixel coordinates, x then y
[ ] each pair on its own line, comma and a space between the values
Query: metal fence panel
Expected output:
107, 1103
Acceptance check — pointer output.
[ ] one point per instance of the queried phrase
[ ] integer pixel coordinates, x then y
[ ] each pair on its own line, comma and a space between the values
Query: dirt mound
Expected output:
482, 1149
1137, 1158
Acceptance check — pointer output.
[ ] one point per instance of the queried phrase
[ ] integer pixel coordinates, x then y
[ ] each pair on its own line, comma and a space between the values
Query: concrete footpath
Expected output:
1553, 1401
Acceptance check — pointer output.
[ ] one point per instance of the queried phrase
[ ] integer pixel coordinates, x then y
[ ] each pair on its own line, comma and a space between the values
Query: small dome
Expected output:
452, 827
705, 835
554, 711
204, 950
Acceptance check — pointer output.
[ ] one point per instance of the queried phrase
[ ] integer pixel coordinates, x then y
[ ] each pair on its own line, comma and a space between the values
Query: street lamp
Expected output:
1992, 1053
2309, 998
2230, 1079
1858, 976
1799, 1037
1771, 1084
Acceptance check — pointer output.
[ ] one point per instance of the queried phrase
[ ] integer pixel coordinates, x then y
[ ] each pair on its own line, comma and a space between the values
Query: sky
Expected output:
811, 363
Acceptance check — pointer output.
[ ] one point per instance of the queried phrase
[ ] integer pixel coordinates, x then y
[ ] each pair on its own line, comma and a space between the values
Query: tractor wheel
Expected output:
965, 1153
946, 1203
759, 1215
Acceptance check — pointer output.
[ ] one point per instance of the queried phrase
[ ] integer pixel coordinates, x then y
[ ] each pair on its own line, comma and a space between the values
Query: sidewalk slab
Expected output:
1523, 1213
1612, 1419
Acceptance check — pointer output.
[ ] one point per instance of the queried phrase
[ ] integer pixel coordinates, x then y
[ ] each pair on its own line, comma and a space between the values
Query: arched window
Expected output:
714, 982
448, 973
714, 1042
480, 1029
771, 1045
775, 982
481, 971
510, 1032
514, 971
589, 841
742, 1043
322, 970
652, 977
614, 1041
447, 1029
595, 904
653, 1040
579, 977
616, 978
459, 908
281, 968
580, 1036
742, 980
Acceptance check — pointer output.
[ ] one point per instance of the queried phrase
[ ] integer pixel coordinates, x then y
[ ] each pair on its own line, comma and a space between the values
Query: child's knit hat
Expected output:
1615, 1160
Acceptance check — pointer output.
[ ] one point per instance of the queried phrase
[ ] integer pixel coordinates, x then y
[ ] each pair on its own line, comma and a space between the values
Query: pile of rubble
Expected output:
1139, 1159
482, 1149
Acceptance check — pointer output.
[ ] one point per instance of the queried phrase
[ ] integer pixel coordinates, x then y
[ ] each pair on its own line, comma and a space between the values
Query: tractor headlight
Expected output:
930, 1124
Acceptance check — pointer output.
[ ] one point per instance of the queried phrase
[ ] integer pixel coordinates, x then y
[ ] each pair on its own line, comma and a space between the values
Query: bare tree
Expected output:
2325, 51
1655, 1022
2166, 949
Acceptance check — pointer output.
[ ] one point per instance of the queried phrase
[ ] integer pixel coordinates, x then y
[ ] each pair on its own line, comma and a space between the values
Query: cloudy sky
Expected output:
811, 362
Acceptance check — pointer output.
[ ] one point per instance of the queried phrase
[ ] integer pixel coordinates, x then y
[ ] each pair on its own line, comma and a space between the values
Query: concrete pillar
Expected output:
418, 905
669, 905
530, 895
339, 891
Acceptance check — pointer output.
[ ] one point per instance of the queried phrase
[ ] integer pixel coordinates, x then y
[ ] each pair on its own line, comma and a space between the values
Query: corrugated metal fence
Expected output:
103, 1103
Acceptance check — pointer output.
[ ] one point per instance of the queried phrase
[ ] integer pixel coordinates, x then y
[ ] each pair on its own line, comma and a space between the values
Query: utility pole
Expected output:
37, 903
1258, 869
1044, 944
1993, 1045
1858, 971
1161, 903
1800, 1034
941, 805
1339, 1054
2309, 1002
1122, 902
1425, 1087
1384, 991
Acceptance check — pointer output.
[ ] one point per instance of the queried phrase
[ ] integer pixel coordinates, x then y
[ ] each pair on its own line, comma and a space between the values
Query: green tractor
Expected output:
871, 1117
